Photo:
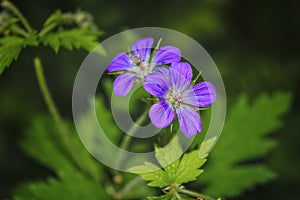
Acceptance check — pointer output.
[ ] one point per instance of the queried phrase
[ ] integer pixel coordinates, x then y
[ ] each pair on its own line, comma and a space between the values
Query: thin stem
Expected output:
18, 30
47, 29
74, 150
195, 194
127, 138
16, 11
177, 195
129, 186
197, 77
45, 91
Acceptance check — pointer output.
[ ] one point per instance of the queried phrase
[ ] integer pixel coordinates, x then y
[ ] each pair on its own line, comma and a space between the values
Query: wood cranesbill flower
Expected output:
139, 63
178, 97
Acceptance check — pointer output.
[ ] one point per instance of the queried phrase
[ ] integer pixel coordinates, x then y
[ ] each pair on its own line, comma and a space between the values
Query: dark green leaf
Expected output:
73, 39
244, 138
70, 185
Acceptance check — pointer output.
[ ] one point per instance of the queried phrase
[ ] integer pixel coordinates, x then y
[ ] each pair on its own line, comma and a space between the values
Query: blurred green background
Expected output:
254, 43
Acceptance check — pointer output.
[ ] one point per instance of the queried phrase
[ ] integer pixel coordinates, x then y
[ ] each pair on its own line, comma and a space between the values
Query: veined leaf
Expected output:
180, 171
244, 138
73, 39
10, 48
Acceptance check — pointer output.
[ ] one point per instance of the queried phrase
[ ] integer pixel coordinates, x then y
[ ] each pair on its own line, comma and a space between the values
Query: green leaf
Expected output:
243, 139
175, 170
55, 17
206, 146
73, 39
70, 185
170, 153
188, 169
44, 142
10, 48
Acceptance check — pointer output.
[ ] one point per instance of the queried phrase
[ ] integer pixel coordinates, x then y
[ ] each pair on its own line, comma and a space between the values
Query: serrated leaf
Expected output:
151, 172
10, 48
243, 139
178, 172
70, 185
188, 169
73, 39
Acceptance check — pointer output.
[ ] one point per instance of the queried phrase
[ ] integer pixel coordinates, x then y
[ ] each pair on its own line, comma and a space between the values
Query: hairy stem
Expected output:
45, 91
16, 11
73, 148
195, 194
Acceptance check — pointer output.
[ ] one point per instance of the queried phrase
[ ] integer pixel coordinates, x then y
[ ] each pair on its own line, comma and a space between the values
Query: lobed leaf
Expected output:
76, 38
70, 185
180, 171
244, 138
10, 48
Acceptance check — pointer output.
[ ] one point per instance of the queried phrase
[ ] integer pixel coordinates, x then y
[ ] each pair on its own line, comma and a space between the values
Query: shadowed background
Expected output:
255, 44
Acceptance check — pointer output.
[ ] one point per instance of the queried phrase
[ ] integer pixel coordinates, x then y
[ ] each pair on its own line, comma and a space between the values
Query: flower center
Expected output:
141, 68
174, 97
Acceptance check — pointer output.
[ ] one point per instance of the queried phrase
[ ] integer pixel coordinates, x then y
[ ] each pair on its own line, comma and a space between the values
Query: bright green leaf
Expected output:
175, 170
10, 48
188, 169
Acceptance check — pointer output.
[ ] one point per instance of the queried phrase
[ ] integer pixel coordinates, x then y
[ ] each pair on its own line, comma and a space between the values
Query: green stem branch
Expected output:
47, 29
45, 91
16, 11
127, 138
19, 31
195, 194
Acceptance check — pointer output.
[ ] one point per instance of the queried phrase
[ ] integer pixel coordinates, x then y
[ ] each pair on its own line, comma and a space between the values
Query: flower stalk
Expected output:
127, 137
67, 138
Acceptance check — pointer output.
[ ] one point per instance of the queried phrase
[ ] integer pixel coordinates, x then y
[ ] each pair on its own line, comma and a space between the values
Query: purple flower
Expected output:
139, 63
178, 97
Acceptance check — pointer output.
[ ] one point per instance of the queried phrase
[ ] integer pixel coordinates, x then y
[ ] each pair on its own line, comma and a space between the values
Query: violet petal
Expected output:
166, 55
157, 85
189, 120
201, 95
122, 61
123, 83
142, 48
161, 114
